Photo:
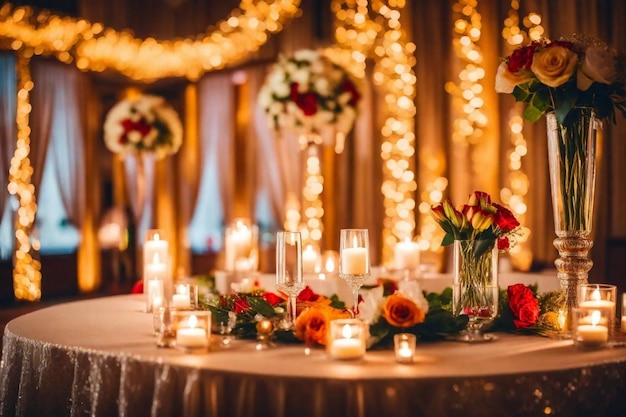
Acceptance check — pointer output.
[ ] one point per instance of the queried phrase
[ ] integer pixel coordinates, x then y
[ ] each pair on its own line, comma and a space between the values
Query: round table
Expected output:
99, 357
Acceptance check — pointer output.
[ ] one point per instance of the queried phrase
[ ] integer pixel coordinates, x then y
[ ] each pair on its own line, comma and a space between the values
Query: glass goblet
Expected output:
289, 278
354, 265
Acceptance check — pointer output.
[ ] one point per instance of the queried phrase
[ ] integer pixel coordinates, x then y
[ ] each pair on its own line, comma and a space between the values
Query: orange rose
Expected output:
400, 311
312, 323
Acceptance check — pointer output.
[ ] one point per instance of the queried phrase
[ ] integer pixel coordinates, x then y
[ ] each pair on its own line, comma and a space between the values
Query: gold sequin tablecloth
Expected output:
99, 358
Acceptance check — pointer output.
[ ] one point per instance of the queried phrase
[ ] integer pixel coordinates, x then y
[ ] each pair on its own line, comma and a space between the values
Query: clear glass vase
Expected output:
572, 160
475, 288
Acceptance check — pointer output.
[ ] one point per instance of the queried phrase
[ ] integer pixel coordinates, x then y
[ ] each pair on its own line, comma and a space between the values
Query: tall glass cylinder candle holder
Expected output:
241, 246
155, 294
599, 296
354, 265
192, 329
346, 339
289, 278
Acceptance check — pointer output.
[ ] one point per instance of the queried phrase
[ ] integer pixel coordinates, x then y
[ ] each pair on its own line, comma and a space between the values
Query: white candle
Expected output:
405, 353
155, 246
347, 349
354, 261
406, 255
191, 336
590, 333
181, 301
155, 292
238, 243
310, 259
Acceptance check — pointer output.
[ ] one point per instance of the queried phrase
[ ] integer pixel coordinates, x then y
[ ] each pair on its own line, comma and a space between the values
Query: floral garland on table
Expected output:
143, 124
308, 93
574, 72
388, 308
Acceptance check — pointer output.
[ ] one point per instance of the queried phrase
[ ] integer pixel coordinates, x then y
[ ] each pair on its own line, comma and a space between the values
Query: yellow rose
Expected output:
402, 312
554, 65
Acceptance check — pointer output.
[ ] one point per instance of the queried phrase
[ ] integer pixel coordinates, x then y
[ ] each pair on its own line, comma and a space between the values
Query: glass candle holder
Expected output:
590, 327
346, 339
185, 296
289, 278
406, 256
404, 347
192, 329
241, 246
599, 296
163, 326
311, 260
154, 295
354, 265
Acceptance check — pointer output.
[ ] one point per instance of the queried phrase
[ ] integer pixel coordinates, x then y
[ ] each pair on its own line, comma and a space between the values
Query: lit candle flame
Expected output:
155, 259
347, 331
595, 317
193, 321
595, 295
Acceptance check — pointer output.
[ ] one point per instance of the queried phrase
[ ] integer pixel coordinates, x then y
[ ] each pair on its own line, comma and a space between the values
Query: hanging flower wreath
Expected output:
143, 124
308, 93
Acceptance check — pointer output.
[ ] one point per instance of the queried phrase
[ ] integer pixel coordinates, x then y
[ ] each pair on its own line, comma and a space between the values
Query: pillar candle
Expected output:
406, 255
354, 261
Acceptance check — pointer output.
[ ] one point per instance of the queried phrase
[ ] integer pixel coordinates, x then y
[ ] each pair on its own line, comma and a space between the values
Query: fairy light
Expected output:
27, 269
373, 28
92, 47
514, 193
467, 127
312, 209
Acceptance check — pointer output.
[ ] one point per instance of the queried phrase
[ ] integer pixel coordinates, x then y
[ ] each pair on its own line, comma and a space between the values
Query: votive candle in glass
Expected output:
599, 296
347, 339
623, 312
193, 330
404, 347
591, 328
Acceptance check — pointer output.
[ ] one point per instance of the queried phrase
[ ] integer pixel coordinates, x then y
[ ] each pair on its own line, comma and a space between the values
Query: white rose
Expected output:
413, 291
134, 136
506, 80
598, 66
306, 55
370, 307
282, 90
322, 86
301, 76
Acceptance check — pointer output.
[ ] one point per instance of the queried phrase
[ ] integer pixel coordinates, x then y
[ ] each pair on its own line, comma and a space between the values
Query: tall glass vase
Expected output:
475, 287
572, 160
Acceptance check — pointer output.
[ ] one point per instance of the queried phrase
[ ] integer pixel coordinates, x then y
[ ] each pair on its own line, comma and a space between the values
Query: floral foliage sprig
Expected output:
309, 92
479, 220
573, 72
405, 308
523, 310
143, 124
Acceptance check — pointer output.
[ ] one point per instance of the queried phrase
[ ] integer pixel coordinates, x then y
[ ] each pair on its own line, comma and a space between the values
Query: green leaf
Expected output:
262, 307
448, 239
482, 246
532, 113
218, 314
521, 93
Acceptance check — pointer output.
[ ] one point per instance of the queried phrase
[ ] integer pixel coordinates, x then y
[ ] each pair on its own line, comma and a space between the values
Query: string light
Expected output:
514, 194
312, 208
27, 269
373, 29
92, 47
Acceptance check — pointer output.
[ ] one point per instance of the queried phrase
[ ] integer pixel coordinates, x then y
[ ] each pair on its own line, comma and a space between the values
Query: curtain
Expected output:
8, 80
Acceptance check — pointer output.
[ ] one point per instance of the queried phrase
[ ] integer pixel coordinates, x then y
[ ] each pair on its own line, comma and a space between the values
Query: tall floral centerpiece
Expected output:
578, 83
141, 130
309, 96
478, 231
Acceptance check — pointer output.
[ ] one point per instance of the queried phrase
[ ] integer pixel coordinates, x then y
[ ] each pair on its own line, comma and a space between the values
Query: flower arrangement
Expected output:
308, 93
143, 124
559, 76
479, 220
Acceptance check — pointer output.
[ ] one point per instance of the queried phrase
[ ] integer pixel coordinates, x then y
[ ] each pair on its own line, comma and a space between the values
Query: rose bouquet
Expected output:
308, 93
143, 124
564, 75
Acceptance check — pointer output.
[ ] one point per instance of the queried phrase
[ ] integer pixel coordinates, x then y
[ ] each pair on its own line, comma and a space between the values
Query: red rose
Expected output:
349, 87
504, 219
504, 243
140, 126
272, 298
307, 102
523, 304
307, 294
522, 58
241, 305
